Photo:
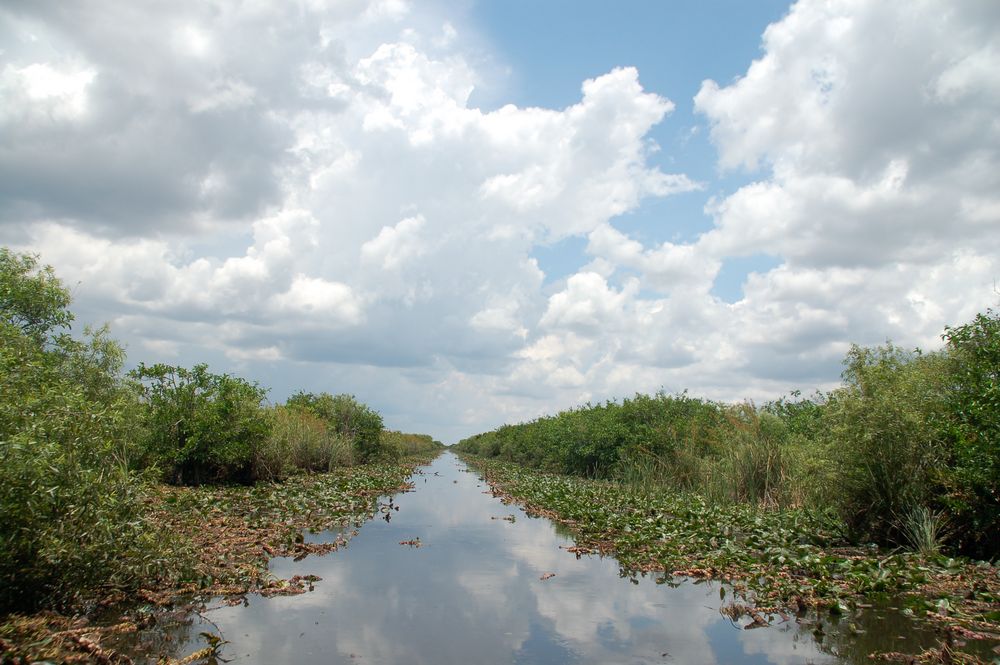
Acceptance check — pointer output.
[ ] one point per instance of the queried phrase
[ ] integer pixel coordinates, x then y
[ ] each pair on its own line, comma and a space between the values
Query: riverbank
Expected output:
222, 538
775, 561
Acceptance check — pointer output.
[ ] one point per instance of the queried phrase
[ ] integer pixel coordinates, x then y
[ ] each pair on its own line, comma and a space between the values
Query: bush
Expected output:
299, 441
755, 468
349, 418
885, 428
70, 509
201, 427
409, 444
974, 404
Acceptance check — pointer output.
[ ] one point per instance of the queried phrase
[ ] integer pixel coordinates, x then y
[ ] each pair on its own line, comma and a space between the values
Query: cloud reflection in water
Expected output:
472, 593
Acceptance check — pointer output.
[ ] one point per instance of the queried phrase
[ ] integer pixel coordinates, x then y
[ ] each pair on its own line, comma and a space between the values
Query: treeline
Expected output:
80, 440
906, 450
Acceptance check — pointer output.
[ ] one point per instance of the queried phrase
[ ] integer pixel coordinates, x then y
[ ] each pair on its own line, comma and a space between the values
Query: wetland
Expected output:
449, 572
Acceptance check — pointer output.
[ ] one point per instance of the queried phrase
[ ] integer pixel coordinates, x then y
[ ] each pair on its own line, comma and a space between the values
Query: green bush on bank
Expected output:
909, 441
201, 427
409, 444
973, 478
300, 441
884, 428
70, 508
345, 416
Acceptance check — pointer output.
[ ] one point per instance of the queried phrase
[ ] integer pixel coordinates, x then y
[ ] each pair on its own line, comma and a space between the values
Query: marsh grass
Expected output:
644, 471
300, 441
925, 530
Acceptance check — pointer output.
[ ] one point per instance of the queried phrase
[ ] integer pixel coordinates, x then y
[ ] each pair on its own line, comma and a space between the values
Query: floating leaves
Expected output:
771, 558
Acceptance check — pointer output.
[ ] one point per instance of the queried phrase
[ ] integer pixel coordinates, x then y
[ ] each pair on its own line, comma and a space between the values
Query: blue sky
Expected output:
550, 47
480, 212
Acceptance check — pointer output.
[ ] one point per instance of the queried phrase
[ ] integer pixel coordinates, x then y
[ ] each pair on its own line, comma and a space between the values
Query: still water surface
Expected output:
473, 593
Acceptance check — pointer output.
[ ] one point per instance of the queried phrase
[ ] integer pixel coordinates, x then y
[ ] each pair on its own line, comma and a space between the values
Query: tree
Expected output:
32, 298
69, 507
885, 429
974, 399
202, 427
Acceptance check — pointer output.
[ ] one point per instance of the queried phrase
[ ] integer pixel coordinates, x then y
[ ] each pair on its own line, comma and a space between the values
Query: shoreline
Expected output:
776, 562
226, 535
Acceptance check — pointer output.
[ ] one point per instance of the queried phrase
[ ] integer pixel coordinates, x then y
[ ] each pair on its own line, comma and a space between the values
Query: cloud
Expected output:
870, 123
275, 187
395, 244
587, 304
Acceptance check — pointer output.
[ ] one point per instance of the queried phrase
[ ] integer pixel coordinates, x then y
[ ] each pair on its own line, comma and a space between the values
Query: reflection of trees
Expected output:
854, 636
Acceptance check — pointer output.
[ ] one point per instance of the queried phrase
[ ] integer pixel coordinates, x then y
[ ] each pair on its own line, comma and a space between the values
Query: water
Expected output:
473, 592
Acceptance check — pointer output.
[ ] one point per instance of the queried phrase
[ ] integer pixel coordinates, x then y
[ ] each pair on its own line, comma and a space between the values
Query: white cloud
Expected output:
281, 188
319, 299
48, 92
395, 244
588, 304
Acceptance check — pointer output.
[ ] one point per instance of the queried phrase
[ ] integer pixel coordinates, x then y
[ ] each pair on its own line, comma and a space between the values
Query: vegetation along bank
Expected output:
889, 484
157, 483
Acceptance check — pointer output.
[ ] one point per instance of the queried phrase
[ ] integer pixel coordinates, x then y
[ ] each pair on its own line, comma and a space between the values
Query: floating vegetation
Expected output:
775, 561
229, 534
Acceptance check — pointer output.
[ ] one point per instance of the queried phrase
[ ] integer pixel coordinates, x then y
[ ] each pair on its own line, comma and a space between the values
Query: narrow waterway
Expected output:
480, 588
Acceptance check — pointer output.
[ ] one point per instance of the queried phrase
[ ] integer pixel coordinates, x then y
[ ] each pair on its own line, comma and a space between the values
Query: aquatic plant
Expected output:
925, 529
772, 558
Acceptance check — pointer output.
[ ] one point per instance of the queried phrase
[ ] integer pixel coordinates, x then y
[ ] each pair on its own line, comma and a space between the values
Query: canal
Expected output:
449, 574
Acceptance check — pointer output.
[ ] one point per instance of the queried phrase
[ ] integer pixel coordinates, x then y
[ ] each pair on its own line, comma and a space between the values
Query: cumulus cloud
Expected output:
880, 176
273, 186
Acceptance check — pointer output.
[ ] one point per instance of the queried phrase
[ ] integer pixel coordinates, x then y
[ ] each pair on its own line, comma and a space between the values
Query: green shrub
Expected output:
885, 430
755, 467
299, 441
349, 418
974, 405
201, 427
70, 509
409, 444
32, 299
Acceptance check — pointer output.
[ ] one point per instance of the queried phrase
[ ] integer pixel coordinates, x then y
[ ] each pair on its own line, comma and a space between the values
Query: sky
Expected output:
476, 212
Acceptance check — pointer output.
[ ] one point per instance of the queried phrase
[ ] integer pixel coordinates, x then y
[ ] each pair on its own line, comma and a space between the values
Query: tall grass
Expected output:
402, 443
300, 441
925, 529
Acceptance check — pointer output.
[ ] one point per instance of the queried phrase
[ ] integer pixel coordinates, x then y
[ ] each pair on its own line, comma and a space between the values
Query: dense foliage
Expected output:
410, 444
974, 402
203, 427
348, 418
906, 451
69, 506
80, 443
300, 441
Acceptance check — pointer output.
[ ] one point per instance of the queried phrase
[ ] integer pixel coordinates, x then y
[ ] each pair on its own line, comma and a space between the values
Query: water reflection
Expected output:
473, 593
